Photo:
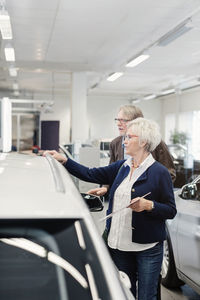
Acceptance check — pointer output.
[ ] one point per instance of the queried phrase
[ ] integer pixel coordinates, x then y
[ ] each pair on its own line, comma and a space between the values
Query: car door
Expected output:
188, 231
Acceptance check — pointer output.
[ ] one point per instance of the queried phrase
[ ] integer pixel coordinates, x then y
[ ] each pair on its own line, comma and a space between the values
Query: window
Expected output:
189, 123
186, 155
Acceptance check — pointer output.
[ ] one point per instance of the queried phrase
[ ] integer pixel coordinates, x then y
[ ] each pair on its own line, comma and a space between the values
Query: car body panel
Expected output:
188, 239
184, 231
31, 177
35, 189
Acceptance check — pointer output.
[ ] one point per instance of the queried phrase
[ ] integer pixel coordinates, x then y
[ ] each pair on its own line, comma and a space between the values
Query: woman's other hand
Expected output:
140, 204
101, 191
59, 157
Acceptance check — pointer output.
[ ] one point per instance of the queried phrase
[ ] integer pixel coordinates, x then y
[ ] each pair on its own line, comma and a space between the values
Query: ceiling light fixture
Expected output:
167, 92
5, 26
138, 60
15, 86
135, 101
13, 71
150, 97
38, 70
188, 85
16, 93
114, 76
174, 34
9, 54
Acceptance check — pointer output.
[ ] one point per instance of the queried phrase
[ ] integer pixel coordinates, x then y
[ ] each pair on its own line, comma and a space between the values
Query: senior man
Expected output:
161, 154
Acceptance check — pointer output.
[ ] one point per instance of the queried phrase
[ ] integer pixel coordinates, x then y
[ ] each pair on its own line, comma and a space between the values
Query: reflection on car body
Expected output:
181, 263
49, 246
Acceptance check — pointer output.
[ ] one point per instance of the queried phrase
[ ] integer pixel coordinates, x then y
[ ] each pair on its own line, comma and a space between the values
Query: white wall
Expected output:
101, 113
61, 112
152, 109
188, 101
103, 110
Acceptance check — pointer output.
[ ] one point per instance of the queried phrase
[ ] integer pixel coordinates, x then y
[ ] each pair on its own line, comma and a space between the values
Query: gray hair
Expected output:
131, 112
148, 132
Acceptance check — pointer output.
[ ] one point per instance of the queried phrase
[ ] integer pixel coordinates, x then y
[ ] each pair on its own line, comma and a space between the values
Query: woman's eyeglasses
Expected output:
129, 136
121, 120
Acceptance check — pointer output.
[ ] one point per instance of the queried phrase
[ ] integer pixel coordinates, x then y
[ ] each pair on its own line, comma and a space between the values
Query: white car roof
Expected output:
37, 187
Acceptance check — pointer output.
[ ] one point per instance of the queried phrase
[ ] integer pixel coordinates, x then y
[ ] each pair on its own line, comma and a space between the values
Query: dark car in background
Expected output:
187, 168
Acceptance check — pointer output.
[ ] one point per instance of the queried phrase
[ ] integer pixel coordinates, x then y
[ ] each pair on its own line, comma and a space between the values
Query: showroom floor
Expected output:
183, 293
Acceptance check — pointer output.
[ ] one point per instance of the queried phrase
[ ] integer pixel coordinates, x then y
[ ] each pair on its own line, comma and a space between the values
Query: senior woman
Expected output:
136, 235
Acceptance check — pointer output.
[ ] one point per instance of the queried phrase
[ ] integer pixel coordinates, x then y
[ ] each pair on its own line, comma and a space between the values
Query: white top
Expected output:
120, 235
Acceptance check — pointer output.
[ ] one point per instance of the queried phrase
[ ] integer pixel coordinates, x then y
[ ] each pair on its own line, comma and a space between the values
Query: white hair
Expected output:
148, 131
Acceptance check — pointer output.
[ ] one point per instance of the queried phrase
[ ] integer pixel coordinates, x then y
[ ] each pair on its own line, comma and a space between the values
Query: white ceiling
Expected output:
53, 38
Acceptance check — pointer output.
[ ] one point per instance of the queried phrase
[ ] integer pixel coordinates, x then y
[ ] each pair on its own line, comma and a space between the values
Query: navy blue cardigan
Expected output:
149, 226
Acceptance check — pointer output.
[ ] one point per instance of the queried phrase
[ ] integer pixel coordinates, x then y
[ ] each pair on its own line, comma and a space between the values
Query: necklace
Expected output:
135, 166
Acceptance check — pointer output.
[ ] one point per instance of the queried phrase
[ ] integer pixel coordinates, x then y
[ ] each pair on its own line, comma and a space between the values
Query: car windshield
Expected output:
49, 259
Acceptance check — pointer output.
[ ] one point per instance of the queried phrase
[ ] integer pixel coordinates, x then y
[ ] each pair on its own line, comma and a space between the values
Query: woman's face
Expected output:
132, 143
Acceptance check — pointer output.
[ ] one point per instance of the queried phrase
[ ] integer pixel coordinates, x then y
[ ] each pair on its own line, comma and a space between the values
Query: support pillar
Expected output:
79, 123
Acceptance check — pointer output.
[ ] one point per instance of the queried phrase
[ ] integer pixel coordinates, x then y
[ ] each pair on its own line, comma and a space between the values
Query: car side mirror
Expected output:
189, 191
126, 284
125, 279
94, 203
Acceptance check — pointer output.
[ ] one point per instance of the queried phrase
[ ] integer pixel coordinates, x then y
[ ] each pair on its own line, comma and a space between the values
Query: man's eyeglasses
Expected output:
129, 136
121, 120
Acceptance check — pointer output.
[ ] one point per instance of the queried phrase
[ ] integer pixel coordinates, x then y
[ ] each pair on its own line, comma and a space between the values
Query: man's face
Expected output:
122, 123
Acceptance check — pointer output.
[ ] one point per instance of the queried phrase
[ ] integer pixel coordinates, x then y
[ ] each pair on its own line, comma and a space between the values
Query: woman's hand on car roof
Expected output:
59, 157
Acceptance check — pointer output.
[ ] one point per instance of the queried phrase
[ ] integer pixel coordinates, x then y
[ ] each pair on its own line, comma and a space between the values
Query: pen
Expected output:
119, 210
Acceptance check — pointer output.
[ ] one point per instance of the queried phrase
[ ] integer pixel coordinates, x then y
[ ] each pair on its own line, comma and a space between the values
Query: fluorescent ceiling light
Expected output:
114, 76
13, 72
2, 170
32, 101
135, 101
9, 53
138, 60
16, 93
189, 84
173, 35
15, 86
166, 92
5, 26
150, 97
38, 70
